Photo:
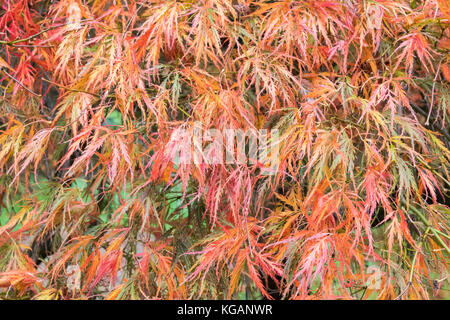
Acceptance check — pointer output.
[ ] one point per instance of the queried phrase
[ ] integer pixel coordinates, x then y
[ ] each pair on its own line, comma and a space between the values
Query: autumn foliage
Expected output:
93, 207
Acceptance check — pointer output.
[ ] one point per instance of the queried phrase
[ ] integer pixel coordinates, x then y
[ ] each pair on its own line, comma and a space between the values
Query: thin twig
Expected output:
432, 94
69, 89
20, 83
13, 42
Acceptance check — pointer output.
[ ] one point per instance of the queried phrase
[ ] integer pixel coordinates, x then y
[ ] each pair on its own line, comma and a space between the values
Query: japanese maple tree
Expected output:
96, 204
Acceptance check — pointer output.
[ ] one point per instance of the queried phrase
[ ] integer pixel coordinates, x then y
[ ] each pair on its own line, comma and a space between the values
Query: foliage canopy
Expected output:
93, 207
